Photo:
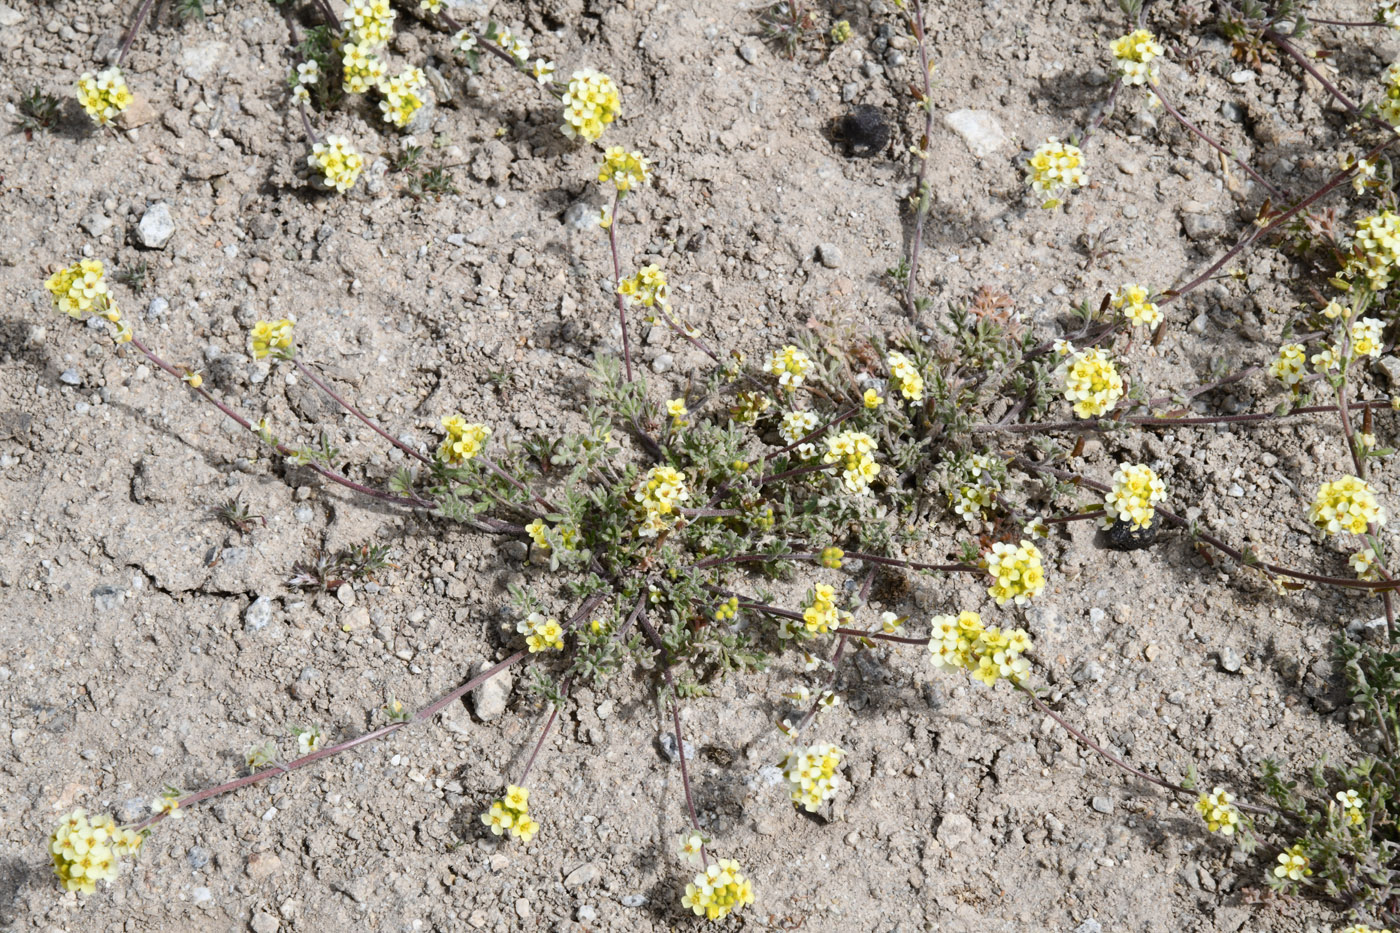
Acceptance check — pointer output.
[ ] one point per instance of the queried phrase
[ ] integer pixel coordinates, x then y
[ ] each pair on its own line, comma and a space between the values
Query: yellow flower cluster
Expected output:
1293, 863
1377, 243
272, 338
81, 289
971, 502
748, 406
662, 490
463, 442
831, 557
104, 95
1056, 169
1364, 563
727, 610
790, 365
86, 851
1136, 489
855, 451
1366, 337
1132, 301
401, 99
1218, 810
1348, 504
840, 32
1362, 928
1092, 384
962, 642
541, 634
591, 102
369, 23
1017, 572
362, 69
648, 286
1291, 365
626, 170
905, 377
1137, 54
511, 813
718, 891
797, 425
811, 775
337, 162
819, 616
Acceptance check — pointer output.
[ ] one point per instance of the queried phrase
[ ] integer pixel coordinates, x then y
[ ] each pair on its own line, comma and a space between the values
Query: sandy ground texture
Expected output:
144, 643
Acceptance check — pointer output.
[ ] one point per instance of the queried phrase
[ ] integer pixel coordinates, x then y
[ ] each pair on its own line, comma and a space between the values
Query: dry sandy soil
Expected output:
131, 652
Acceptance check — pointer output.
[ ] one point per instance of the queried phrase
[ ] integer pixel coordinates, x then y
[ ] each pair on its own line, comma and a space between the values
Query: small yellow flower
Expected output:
104, 95
1293, 864
872, 398
309, 739
498, 818
361, 68
337, 162
1091, 383
1137, 54
1017, 572
718, 891
692, 841
541, 634
536, 530
1290, 366
1351, 806
463, 442
811, 775
648, 287
1348, 504
1056, 168
368, 22
1364, 563
676, 409
1218, 810
904, 376
1366, 337
1136, 489
840, 32
624, 170
543, 72
591, 102
81, 289
855, 451
401, 98
1132, 301
790, 365
272, 338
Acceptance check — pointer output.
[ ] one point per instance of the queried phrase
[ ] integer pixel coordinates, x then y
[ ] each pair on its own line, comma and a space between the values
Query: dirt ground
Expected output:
133, 655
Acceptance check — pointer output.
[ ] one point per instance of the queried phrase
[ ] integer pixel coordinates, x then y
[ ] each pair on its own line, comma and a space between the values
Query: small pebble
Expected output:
1102, 804
634, 900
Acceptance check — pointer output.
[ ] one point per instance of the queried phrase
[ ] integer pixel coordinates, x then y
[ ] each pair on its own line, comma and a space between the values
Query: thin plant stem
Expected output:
544, 733
410, 501
1277, 221
365, 419
1104, 424
912, 565
1215, 542
1292, 52
617, 285
1195, 131
137, 22
1108, 756
921, 191
278, 769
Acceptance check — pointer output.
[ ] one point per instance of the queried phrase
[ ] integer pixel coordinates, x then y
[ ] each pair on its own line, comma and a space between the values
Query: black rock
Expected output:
864, 130
1120, 536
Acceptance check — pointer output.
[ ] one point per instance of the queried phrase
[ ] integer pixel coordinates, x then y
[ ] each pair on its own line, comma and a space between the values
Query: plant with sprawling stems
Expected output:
655, 538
